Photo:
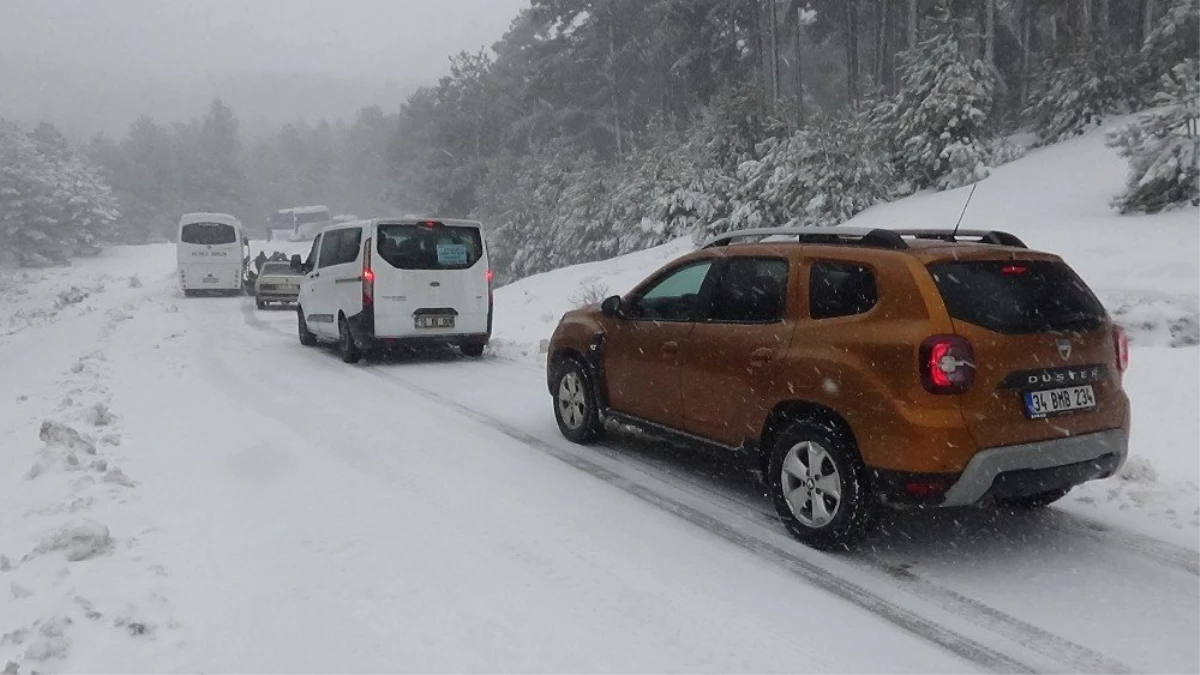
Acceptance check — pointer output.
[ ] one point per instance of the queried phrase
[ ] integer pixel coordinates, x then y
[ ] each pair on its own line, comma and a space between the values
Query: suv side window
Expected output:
750, 290
841, 289
674, 296
311, 261
329, 251
348, 245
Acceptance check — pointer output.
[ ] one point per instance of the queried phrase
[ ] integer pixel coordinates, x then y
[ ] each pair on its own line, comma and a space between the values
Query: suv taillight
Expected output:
368, 276
947, 364
1121, 345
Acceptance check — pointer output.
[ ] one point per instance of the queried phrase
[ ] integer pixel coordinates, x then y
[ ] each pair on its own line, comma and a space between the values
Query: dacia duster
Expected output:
860, 368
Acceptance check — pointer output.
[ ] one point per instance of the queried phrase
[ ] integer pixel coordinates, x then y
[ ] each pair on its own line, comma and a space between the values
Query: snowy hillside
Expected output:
183, 487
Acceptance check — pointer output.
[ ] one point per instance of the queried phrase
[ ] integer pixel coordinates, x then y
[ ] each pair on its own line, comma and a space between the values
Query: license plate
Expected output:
1040, 404
435, 321
210, 280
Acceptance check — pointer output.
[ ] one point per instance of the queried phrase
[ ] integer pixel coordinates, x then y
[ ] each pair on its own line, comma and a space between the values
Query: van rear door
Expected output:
430, 280
1044, 351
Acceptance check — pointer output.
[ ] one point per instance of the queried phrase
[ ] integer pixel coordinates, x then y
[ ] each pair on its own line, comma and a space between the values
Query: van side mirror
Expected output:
295, 263
611, 307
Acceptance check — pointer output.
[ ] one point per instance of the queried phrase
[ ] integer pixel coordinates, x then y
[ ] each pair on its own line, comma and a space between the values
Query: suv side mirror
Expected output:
295, 263
611, 307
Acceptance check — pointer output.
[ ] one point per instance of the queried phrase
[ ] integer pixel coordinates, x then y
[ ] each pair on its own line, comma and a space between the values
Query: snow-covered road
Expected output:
236, 502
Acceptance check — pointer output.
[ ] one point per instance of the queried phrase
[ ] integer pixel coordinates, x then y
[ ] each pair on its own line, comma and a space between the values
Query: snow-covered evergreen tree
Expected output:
53, 204
832, 171
1175, 37
28, 229
1163, 146
940, 122
1078, 94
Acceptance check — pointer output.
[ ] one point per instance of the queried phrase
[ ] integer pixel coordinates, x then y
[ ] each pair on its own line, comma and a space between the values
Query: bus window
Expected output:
208, 234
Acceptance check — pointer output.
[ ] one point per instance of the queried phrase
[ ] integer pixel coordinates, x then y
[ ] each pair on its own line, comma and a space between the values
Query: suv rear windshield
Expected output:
1026, 296
208, 234
419, 247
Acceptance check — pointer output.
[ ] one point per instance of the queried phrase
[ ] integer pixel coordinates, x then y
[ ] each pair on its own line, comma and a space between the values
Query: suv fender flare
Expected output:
591, 362
789, 411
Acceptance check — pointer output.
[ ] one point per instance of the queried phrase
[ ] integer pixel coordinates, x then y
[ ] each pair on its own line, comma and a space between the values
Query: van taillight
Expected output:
947, 364
368, 276
1121, 345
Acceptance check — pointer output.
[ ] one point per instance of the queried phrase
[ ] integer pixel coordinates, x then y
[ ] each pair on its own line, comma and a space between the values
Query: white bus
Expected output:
212, 254
301, 223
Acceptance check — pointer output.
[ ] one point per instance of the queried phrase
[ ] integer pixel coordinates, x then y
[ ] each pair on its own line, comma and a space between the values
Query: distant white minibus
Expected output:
212, 253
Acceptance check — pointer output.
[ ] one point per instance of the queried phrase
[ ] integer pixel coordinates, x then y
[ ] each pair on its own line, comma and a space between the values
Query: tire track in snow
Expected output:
1074, 656
807, 570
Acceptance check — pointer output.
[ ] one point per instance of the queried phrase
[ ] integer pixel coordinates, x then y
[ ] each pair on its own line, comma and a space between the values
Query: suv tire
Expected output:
575, 407
306, 336
472, 349
346, 347
818, 484
1040, 500
260, 304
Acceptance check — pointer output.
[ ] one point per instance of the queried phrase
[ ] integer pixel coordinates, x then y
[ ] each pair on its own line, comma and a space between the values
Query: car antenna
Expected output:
964, 211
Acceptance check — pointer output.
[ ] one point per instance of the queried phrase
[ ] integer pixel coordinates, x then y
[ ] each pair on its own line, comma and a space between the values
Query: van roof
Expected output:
457, 222
304, 209
202, 217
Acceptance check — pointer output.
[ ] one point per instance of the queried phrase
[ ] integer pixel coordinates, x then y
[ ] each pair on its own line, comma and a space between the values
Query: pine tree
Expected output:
1163, 147
1175, 37
940, 122
28, 230
53, 203
1076, 96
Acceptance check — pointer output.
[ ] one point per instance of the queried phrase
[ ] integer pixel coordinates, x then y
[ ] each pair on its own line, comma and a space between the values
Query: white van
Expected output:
211, 253
374, 284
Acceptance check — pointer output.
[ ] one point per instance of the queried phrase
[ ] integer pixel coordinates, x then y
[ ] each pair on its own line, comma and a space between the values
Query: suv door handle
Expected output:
760, 356
670, 348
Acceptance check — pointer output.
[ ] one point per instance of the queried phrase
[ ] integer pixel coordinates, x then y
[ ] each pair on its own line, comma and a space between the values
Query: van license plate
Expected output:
1040, 404
436, 321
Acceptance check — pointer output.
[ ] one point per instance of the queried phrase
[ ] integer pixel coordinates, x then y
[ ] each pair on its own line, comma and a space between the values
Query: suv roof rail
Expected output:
993, 237
849, 236
872, 237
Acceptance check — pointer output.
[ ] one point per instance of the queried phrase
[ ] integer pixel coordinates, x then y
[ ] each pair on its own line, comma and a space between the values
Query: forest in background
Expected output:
598, 127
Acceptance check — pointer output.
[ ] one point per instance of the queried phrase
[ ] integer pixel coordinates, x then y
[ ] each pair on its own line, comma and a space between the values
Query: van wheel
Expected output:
818, 484
575, 406
1040, 500
306, 337
472, 349
346, 346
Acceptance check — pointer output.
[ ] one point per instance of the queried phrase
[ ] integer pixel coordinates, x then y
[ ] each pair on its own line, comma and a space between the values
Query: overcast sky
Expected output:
94, 65
404, 39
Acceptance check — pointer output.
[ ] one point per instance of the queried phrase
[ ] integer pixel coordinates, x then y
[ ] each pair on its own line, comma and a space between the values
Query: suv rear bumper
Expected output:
1042, 466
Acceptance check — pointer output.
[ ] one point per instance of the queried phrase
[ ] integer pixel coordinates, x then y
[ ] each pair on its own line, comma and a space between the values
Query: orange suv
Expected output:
860, 368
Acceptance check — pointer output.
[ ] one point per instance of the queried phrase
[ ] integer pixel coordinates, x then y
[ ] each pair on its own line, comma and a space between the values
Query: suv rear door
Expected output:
728, 361
1034, 326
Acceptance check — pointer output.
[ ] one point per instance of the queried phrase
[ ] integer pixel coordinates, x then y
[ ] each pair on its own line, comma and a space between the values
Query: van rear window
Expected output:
420, 247
208, 234
1023, 296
